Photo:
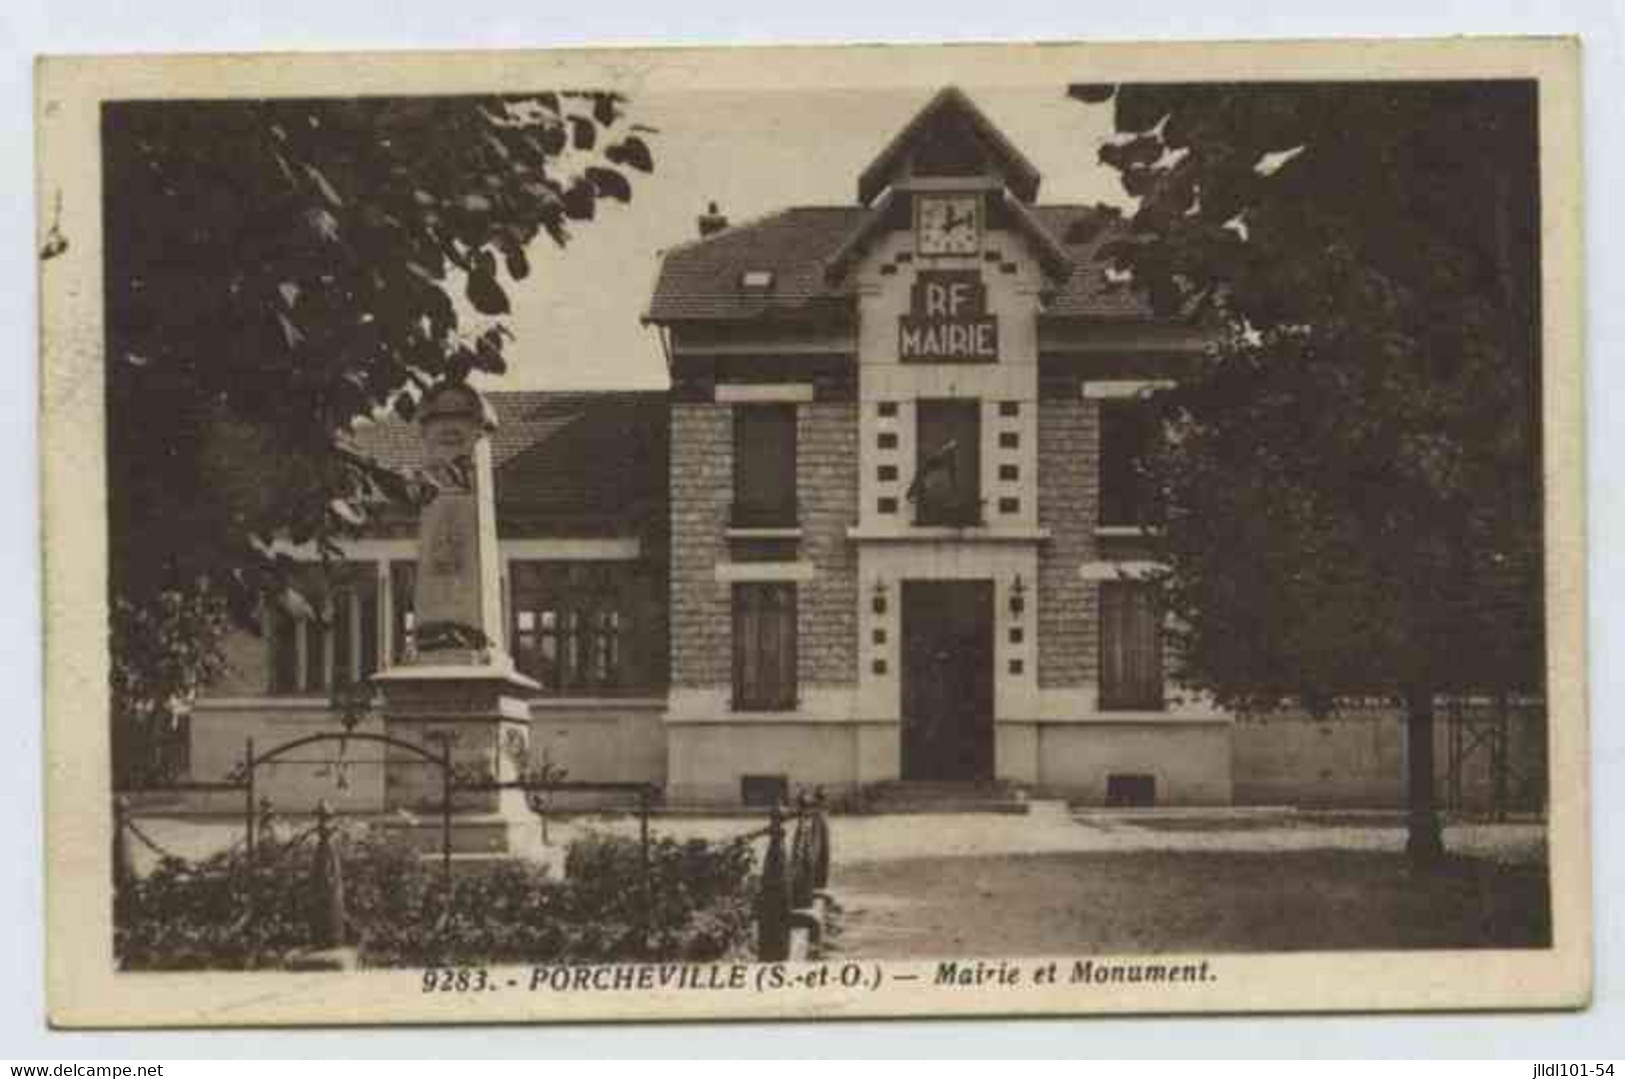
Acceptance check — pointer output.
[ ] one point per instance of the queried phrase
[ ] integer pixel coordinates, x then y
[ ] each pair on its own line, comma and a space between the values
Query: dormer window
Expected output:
756, 281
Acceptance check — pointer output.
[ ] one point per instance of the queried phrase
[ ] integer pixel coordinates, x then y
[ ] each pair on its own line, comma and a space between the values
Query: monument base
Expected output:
474, 717
471, 833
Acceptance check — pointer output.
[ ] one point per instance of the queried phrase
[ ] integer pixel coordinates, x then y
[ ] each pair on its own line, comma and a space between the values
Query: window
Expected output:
583, 627
947, 477
336, 643
403, 578
764, 466
1130, 647
1126, 430
764, 639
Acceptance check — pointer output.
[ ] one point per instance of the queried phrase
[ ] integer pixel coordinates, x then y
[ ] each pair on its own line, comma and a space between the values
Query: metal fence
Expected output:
795, 864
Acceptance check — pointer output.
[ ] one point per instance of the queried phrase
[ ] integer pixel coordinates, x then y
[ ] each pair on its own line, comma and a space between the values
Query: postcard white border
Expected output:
83, 989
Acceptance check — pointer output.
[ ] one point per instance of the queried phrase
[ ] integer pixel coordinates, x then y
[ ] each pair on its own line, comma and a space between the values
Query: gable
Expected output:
950, 137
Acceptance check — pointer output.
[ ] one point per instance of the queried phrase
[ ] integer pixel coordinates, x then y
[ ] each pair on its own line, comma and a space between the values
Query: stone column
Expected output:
458, 685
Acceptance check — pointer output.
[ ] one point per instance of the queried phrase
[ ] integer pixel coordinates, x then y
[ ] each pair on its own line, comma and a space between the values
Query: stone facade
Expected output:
1068, 489
827, 488
701, 493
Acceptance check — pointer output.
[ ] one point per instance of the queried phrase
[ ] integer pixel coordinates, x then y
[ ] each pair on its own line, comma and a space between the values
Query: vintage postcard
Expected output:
813, 532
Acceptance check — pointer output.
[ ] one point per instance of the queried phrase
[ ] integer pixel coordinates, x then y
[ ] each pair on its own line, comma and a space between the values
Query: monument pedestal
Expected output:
481, 714
456, 689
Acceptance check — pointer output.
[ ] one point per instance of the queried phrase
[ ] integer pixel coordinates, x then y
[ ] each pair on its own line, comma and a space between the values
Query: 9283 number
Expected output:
456, 980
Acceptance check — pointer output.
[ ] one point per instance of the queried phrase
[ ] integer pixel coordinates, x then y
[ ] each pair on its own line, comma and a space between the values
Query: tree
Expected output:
1350, 490
277, 271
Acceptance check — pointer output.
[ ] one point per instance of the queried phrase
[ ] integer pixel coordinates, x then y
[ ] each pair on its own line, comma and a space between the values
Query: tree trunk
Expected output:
1424, 844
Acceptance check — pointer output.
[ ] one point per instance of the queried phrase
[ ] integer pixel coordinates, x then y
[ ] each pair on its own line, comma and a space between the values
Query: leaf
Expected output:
485, 294
584, 133
578, 201
1092, 93
551, 138
610, 184
518, 265
632, 152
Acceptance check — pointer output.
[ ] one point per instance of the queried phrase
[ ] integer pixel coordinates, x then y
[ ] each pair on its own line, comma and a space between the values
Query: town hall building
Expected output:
883, 529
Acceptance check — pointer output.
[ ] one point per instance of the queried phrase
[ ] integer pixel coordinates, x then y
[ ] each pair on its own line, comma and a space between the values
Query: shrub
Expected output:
229, 913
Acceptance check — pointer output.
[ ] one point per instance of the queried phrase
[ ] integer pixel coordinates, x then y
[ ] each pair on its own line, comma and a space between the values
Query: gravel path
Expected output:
1150, 901
1049, 829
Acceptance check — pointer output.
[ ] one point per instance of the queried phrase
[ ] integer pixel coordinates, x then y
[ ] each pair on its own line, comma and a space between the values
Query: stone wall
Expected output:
827, 488
701, 492
1068, 490
1190, 762
1356, 758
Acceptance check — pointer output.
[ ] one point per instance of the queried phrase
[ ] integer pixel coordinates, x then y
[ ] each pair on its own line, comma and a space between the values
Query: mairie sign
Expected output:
948, 320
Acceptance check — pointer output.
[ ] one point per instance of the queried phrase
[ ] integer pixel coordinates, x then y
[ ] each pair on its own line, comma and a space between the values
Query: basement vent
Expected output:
1131, 789
764, 790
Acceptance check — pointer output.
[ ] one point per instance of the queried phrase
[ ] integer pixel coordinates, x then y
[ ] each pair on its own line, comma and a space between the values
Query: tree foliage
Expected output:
278, 270
1350, 485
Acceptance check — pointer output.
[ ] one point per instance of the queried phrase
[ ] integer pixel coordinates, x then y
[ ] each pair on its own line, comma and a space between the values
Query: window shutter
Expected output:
1130, 647
1126, 431
764, 645
765, 465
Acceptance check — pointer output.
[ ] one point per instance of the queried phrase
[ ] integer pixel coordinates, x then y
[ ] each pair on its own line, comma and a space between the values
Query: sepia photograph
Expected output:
725, 533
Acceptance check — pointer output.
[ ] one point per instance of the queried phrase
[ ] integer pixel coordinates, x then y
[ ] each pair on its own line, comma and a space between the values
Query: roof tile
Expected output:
700, 281
560, 455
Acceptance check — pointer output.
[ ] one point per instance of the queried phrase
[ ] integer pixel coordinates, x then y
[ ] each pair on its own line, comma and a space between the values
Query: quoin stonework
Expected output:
882, 535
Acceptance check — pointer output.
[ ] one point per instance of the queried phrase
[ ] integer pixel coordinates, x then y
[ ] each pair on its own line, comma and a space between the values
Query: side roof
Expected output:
702, 281
576, 458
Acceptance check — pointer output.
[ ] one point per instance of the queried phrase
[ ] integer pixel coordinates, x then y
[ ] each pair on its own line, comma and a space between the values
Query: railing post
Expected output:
643, 854
248, 796
445, 819
802, 854
123, 865
773, 899
327, 884
821, 847
263, 818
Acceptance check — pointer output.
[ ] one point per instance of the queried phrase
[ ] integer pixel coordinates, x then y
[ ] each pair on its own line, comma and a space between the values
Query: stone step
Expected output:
947, 787
895, 806
941, 796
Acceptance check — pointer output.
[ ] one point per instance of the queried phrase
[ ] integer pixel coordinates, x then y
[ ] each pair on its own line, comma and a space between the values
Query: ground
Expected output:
1059, 881
1162, 901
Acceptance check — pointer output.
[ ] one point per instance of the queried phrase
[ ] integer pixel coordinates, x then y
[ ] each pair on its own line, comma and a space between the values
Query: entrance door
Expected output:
947, 680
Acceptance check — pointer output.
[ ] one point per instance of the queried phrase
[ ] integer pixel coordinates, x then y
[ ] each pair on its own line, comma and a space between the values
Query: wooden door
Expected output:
947, 680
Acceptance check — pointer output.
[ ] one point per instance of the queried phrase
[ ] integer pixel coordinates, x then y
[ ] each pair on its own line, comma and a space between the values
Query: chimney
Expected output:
712, 221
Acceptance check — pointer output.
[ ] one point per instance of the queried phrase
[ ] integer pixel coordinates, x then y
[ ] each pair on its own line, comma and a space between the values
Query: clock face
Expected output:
948, 224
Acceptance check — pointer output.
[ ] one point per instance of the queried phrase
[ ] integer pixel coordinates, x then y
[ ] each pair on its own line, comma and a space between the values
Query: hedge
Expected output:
228, 912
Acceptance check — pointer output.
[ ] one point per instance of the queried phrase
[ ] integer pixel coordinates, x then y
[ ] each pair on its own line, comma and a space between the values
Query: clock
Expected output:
948, 224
